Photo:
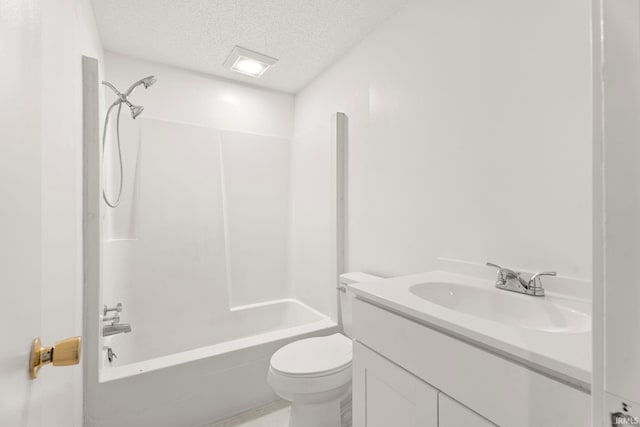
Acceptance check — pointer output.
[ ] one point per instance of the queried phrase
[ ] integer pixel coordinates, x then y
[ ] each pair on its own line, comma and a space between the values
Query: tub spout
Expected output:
115, 329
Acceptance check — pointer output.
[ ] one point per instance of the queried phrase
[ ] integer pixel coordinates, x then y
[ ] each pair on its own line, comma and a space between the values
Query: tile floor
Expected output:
273, 415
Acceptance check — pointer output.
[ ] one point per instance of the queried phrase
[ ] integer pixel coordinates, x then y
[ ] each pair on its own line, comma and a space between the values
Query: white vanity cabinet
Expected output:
407, 374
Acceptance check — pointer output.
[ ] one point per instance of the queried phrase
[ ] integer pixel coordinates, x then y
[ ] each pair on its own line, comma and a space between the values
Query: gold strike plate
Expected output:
64, 353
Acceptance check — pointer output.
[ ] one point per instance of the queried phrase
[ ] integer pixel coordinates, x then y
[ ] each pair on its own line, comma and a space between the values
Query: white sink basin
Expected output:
509, 308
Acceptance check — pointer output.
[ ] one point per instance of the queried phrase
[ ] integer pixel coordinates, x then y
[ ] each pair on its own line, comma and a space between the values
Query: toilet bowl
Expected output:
314, 374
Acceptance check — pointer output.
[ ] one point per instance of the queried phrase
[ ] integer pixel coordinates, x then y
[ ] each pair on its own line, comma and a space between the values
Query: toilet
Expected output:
314, 374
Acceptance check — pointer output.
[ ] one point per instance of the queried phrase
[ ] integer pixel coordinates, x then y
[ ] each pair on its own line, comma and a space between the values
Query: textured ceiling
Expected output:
305, 35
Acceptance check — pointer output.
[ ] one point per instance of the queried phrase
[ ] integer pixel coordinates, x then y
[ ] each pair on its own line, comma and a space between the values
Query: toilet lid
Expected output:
313, 356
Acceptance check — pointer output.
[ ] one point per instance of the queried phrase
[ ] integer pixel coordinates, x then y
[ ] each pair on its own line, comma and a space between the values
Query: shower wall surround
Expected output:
204, 228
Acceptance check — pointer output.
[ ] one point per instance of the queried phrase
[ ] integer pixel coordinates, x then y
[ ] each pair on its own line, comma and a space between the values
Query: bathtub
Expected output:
184, 384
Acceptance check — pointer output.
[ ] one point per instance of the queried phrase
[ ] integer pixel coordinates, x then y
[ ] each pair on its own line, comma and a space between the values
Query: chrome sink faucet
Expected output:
513, 281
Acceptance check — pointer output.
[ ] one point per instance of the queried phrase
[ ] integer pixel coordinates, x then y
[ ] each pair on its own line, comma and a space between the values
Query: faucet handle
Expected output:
535, 279
501, 279
490, 264
546, 273
504, 271
505, 274
117, 308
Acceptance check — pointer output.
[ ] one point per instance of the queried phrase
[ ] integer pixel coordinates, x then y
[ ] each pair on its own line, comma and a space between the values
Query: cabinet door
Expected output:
386, 395
454, 414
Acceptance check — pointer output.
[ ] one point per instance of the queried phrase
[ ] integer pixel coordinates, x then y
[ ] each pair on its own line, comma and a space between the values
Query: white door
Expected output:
27, 309
20, 213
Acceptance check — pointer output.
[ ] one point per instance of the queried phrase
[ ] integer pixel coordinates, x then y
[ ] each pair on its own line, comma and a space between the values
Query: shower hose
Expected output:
112, 204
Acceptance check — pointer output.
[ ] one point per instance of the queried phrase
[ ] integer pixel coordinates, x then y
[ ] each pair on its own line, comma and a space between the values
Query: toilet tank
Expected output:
346, 297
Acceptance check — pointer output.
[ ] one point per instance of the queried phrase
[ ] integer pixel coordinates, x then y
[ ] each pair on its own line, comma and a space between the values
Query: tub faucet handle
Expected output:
117, 308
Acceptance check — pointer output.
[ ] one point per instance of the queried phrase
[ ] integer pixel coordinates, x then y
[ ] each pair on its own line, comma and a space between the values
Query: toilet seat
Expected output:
314, 357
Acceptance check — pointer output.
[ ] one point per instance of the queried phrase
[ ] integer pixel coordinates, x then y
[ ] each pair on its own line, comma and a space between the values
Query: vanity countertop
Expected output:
557, 347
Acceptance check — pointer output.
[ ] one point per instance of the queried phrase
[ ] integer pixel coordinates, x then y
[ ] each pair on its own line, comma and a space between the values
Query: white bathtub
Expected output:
183, 384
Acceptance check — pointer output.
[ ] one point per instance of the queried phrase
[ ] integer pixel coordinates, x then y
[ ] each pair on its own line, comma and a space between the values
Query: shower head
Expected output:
136, 110
148, 81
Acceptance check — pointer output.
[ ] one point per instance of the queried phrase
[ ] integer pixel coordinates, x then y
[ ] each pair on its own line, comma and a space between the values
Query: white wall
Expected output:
470, 137
41, 248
